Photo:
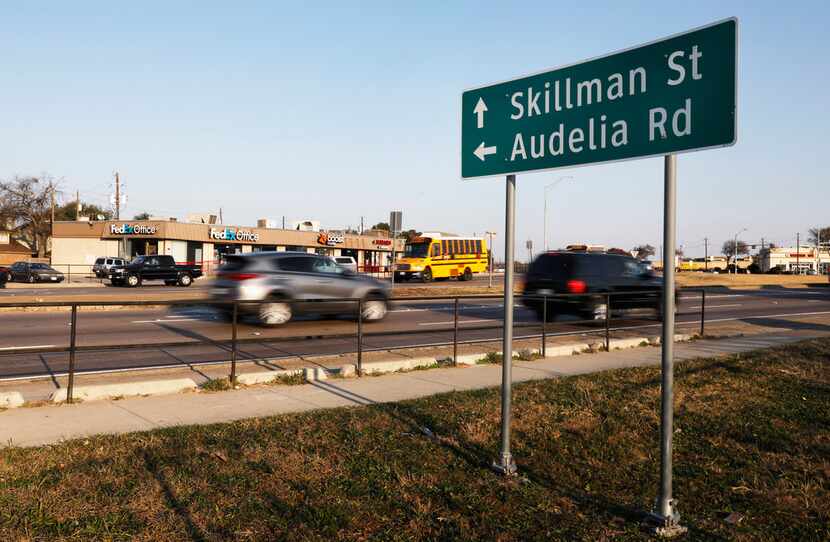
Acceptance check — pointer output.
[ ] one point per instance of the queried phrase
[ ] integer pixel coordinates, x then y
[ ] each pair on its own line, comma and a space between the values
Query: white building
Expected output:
792, 260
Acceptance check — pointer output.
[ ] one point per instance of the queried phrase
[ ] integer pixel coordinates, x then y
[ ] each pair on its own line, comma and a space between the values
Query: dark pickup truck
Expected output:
160, 267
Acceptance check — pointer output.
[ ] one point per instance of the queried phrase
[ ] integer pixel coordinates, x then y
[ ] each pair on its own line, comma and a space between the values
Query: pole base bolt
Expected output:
666, 526
505, 465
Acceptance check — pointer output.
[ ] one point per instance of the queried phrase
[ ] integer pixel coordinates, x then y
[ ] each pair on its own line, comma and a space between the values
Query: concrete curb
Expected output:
382, 367
111, 391
11, 399
265, 377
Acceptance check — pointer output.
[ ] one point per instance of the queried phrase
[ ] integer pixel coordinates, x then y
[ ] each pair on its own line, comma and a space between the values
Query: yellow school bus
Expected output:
438, 256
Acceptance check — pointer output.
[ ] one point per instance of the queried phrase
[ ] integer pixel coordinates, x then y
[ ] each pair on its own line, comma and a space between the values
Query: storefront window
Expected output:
142, 247
221, 251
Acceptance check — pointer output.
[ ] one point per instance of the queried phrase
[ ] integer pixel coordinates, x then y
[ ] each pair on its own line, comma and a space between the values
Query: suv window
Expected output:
324, 265
99, 261
167, 261
299, 264
567, 266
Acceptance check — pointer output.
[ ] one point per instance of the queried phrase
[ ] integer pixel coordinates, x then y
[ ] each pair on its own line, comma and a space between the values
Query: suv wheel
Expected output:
274, 314
133, 281
32, 279
374, 309
185, 280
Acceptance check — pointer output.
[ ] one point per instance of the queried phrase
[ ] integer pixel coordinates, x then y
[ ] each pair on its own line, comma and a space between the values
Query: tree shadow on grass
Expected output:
153, 467
481, 457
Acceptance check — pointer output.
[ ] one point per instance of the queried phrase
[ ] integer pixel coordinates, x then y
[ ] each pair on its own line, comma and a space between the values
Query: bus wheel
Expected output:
468, 274
426, 275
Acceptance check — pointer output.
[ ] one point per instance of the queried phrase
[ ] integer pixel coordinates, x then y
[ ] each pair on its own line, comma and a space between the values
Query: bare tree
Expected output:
728, 248
25, 204
819, 234
643, 251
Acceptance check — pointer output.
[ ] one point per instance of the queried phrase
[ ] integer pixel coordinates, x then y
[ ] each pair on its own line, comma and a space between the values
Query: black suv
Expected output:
629, 281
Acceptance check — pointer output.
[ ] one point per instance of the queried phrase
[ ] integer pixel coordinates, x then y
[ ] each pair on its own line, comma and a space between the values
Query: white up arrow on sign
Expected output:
479, 110
482, 151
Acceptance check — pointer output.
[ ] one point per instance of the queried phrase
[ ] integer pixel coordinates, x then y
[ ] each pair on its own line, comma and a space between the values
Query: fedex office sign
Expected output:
230, 234
132, 229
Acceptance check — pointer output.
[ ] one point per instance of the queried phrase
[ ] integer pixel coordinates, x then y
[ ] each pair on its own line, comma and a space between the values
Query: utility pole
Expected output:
706, 253
117, 196
798, 253
220, 216
283, 221
818, 248
361, 225
77, 204
52, 221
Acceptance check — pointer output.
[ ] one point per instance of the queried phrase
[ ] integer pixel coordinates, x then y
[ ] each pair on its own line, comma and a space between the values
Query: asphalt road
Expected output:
93, 288
188, 333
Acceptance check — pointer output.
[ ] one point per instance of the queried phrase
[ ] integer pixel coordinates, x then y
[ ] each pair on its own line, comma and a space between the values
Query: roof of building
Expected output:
15, 248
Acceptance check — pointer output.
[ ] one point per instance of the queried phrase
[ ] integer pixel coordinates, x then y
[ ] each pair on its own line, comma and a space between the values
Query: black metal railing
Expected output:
234, 342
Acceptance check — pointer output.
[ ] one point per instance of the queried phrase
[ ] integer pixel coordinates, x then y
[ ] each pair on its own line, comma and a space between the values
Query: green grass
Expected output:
292, 379
753, 438
216, 384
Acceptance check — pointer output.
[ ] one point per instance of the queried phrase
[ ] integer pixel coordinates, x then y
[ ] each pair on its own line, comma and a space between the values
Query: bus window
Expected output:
455, 247
469, 246
444, 249
478, 246
436, 250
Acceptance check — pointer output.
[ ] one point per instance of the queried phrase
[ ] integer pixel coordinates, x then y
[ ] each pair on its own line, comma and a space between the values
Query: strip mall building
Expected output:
80, 243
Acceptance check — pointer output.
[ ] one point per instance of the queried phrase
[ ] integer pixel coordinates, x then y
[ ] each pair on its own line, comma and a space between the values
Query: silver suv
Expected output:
102, 266
288, 281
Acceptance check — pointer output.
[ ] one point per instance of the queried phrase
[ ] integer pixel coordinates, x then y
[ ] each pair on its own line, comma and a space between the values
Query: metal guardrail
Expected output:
234, 341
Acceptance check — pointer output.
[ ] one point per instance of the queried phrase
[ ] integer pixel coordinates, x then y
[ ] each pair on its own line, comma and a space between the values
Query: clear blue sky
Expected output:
351, 108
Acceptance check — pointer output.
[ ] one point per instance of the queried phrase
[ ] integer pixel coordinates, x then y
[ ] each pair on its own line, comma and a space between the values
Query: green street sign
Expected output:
673, 95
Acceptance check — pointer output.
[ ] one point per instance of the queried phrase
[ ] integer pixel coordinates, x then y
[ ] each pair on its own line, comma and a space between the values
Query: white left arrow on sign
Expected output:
479, 110
481, 151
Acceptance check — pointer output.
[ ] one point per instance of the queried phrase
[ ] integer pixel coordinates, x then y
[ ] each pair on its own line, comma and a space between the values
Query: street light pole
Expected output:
735, 252
490, 256
545, 220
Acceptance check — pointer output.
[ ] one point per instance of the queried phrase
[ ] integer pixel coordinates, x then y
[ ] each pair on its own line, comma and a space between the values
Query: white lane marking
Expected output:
718, 306
159, 320
733, 319
460, 322
28, 347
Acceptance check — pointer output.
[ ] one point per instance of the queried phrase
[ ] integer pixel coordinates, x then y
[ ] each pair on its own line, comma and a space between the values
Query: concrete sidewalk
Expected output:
50, 424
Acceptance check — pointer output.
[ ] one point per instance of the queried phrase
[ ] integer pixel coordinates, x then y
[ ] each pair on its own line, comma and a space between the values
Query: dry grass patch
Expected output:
752, 442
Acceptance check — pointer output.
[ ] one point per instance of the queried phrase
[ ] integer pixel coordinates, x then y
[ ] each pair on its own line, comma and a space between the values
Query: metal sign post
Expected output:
666, 517
505, 464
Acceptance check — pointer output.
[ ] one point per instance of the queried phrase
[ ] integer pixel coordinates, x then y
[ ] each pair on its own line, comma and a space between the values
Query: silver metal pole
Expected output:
545, 225
505, 464
668, 518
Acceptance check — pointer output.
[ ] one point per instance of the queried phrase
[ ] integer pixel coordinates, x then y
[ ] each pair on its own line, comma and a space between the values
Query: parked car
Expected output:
102, 266
4, 276
32, 272
594, 274
154, 267
346, 261
286, 279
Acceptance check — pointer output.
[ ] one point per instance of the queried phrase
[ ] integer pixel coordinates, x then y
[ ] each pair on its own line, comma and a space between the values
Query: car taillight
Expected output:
240, 276
577, 286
